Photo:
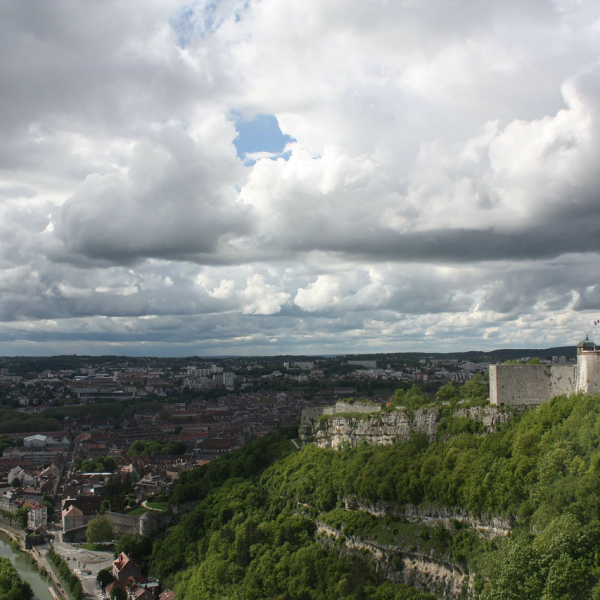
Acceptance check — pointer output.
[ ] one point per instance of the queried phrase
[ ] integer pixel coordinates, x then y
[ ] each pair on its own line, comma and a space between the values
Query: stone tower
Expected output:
588, 367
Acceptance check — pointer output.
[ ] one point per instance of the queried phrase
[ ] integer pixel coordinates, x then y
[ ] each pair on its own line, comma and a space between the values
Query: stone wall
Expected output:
344, 406
123, 524
529, 385
146, 524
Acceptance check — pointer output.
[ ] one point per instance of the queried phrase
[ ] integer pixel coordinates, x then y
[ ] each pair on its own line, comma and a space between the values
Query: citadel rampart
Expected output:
528, 385
146, 524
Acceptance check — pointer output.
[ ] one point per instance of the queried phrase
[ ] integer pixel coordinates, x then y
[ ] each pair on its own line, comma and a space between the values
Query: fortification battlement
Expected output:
524, 385
312, 414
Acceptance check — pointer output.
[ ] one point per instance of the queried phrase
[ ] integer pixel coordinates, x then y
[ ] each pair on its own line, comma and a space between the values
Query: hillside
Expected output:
512, 514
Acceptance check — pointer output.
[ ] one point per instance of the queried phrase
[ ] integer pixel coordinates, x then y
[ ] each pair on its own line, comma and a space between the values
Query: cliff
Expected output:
383, 428
399, 565
486, 525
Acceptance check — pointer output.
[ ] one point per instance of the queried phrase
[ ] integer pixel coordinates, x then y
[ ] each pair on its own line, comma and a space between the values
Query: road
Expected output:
84, 563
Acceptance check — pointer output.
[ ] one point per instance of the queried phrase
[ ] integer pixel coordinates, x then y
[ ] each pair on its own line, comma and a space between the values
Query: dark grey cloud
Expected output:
176, 199
442, 189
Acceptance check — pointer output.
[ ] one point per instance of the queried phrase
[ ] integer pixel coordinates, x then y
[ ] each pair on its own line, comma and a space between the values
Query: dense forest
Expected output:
251, 533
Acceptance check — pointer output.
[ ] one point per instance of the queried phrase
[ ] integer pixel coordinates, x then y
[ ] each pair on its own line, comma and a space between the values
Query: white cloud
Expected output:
442, 187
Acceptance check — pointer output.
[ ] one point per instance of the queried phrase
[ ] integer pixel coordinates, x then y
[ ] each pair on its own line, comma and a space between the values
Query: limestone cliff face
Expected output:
400, 565
486, 525
333, 431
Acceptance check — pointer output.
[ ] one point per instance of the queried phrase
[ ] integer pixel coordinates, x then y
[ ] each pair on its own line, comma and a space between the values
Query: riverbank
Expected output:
27, 565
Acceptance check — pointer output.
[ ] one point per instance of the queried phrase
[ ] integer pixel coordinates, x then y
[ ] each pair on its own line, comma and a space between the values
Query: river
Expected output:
25, 569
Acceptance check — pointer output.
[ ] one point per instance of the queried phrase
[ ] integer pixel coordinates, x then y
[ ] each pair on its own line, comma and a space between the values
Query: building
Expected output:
37, 516
529, 385
125, 567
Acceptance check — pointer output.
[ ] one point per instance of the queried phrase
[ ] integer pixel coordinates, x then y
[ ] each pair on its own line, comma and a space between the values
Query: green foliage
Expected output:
475, 391
118, 494
69, 579
156, 447
137, 547
252, 537
13, 421
413, 398
12, 587
241, 544
447, 393
6, 442
99, 529
118, 594
22, 516
105, 577
248, 462
102, 464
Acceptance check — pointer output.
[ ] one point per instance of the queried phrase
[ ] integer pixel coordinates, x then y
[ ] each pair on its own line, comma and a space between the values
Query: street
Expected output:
84, 563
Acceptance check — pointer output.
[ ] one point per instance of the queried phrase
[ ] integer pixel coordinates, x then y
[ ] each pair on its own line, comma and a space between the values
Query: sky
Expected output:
261, 177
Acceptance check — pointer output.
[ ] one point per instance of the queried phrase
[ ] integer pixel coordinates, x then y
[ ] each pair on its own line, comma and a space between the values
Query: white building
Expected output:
35, 441
37, 516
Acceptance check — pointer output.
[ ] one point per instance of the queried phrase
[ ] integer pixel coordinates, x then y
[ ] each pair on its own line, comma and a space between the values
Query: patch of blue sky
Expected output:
260, 137
197, 19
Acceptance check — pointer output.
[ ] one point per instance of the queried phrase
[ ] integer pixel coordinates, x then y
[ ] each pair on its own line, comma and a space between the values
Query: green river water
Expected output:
25, 569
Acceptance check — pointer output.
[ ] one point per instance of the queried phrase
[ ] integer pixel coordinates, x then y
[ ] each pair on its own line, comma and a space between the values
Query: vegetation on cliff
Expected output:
251, 533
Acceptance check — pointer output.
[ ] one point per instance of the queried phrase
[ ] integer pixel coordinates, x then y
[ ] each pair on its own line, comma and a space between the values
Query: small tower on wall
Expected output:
588, 367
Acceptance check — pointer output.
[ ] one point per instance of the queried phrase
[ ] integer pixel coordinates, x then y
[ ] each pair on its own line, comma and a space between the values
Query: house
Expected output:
167, 595
37, 516
73, 518
124, 567
7, 501
136, 591
20, 474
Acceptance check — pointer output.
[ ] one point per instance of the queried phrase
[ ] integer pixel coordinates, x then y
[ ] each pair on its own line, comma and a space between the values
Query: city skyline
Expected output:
310, 177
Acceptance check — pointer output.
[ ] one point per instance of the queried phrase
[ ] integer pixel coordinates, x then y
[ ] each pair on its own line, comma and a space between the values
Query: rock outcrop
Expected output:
399, 565
397, 425
486, 525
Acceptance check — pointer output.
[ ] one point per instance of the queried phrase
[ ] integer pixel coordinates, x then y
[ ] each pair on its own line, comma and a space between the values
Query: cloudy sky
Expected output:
298, 176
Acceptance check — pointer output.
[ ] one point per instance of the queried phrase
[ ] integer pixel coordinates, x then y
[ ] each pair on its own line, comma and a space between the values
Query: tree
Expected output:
99, 529
105, 577
135, 546
447, 393
48, 502
118, 594
12, 587
475, 390
23, 516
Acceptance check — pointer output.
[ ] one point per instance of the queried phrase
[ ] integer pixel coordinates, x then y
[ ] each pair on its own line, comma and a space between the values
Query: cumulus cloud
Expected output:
441, 188
174, 199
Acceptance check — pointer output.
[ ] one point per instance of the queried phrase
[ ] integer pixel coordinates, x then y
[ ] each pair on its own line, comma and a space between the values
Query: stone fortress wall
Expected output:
510, 385
525, 385
313, 414
146, 524
529, 385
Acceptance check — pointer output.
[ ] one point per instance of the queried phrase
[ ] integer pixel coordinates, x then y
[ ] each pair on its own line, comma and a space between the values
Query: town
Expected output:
92, 447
